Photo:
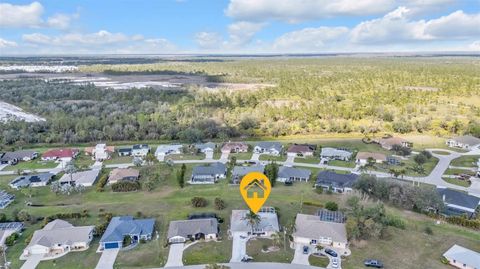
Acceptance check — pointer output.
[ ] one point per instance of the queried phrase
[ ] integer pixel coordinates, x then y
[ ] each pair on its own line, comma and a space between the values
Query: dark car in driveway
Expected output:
373, 263
305, 250
331, 252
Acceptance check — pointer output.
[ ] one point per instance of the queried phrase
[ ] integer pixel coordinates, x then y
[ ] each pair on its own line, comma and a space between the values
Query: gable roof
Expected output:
185, 228
243, 170
60, 153
25, 181
233, 145
60, 232
167, 148
300, 148
217, 168
467, 139
268, 221
126, 225
82, 177
336, 180
288, 172
140, 147
459, 198
202, 146
363, 155
10, 155
310, 226
463, 255
121, 173
390, 141
332, 152
270, 145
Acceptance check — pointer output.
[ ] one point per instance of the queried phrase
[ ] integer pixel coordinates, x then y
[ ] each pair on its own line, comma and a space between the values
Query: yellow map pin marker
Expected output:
255, 188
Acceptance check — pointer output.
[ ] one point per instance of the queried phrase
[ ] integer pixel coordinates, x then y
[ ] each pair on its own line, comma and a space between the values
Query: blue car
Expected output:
331, 252
373, 263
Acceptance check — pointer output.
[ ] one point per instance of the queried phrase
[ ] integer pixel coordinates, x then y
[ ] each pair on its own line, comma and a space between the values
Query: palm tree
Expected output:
252, 219
70, 169
276, 239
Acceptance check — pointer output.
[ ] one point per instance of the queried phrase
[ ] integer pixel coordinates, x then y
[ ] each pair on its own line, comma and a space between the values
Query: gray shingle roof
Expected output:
291, 172
140, 146
463, 255
126, 225
185, 228
25, 181
336, 180
243, 170
467, 139
333, 152
18, 155
202, 146
212, 169
459, 198
268, 221
270, 145
310, 226
60, 232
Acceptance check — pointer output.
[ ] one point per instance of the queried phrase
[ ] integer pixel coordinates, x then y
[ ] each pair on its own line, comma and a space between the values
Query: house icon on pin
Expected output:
255, 189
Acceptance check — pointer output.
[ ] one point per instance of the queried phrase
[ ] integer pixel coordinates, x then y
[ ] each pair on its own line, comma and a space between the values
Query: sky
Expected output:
237, 26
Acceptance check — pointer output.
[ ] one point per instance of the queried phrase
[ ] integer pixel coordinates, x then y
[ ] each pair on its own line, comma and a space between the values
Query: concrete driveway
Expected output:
290, 160
107, 259
175, 255
209, 155
255, 157
32, 261
3, 166
224, 156
239, 247
299, 257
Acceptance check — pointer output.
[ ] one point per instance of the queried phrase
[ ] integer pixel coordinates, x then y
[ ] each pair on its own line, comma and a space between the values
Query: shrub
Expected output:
10, 241
428, 230
332, 206
219, 204
199, 202
102, 182
23, 216
126, 186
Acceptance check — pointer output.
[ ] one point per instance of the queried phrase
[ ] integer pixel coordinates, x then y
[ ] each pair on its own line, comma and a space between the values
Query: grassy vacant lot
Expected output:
466, 161
241, 155
168, 202
176, 157
314, 160
119, 159
455, 171
32, 165
456, 181
342, 164
265, 157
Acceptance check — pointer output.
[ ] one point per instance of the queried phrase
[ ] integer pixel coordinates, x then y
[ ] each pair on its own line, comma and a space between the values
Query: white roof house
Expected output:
336, 154
311, 230
83, 178
461, 257
267, 226
466, 142
58, 237
168, 149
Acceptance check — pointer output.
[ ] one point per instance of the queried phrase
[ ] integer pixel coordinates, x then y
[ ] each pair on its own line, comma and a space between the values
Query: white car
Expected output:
334, 263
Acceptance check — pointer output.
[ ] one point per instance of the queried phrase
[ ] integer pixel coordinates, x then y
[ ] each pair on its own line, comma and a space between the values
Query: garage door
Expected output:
111, 245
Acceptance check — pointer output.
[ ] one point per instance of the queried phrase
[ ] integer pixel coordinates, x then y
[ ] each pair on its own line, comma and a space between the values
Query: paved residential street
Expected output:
107, 259
175, 255
255, 265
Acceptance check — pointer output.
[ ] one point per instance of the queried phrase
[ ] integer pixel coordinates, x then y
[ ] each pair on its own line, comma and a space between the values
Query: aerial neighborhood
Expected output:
309, 225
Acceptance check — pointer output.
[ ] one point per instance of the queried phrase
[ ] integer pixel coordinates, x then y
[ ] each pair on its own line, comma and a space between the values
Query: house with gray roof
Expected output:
164, 150
5, 199
271, 148
208, 174
466, 142
461, 257
205, 147
57, 238
339, 183
458, 203
328, 154
267, 226
13, 157
240, 171
140, 150
180, 231
123, 226
82, 178
37, 180
311, 230
7, 229
124, 152
288, 174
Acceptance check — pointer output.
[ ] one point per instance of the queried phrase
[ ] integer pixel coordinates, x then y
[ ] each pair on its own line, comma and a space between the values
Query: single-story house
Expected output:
271, 148
240, 171
362, 157
267, 226
180, 231
298, 150
164, 150
58, 237
100, 152
208, 174
458, 202
140, 150
466, 142
124, 152
13, 157
206, 147
461, 257
37, 180
123, 174
123, 226
7, 229
288, 174
235, 147
388, 142
328, 154
339, 183
5, 199
83, 178
310, 230
65, 154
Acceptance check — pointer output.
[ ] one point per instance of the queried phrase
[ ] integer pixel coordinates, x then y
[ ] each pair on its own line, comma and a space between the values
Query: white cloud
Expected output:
7, 43
30, 16
456, 25
309, 39
475, 45
242, 33
304, 10
71, 39
208, 40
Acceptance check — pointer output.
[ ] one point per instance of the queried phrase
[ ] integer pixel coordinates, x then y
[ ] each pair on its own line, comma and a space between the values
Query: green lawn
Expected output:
320, 261
341, 163
466, 161
177, 157
119, 159
314, 160
265, 157
209, 252
407, 165
441, 152
31, 165
255, 246
455, 171
83, 160
456, 181
242, 155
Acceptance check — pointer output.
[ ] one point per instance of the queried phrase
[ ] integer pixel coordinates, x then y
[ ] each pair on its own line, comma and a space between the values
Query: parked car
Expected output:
331, 252
247, 258
335, 263
305, 250
373, 263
